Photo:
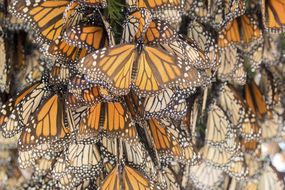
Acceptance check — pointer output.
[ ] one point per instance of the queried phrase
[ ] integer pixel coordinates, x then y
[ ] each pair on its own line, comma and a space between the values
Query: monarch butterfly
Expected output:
72, 101
231, 9
150, 169
111, 117
272, 15
217, 156
170, 15
73, 14
86, 35
161, 33
109, 30
238, 112
170, 11
267, 118
231, 162
67, 181
136, 156
255, 56
237, 167
230, 100
185, 48
59, 73
189, 121
188, 8
140, 24
131, 179
77, 184
10, 106
205, 40
77, 14
85, 160
51, 150
219, 129
205, 10
258, 105
44, 16
168, 180
78, 81
167, 140
61, 50
135, 25
164, 141
166, 103
269, 86
47, 125
200, 34
25, 158
32, 102
133, 103
229, 35
89, 125
76, 85
147, 69
86, 92
219, 13
73, 118
231, 62
17, 111
109, 149
242, 30
255, 99
239, 75
251, 146
205, 176
43, 166
91, 97
60, 167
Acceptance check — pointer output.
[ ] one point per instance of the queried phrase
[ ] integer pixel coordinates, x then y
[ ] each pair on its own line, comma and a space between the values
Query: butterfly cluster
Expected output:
143, 94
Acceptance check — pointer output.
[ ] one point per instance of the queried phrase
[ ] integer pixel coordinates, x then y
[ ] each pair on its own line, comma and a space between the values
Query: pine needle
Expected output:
116, 13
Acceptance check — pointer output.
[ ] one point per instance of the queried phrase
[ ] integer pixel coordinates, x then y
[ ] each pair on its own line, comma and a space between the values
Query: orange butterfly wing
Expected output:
113, 65
112, 181
47, 126
86, 36
274, 15
45, 16
163, 140
62, 50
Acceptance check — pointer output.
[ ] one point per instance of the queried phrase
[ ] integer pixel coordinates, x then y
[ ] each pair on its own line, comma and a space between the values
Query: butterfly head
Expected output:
140, 45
